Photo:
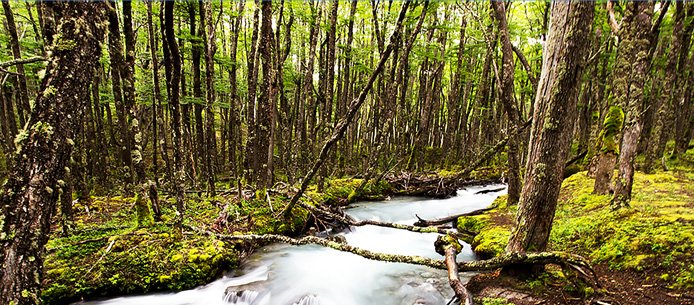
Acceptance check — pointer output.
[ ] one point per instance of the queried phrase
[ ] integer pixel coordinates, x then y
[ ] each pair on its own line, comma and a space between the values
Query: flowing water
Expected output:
280, 274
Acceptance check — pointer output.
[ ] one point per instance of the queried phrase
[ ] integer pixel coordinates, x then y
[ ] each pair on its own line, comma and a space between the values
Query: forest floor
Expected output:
109, 252
642, 254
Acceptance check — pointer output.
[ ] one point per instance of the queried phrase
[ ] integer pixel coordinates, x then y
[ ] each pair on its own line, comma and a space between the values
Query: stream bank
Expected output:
643, 254
107, 253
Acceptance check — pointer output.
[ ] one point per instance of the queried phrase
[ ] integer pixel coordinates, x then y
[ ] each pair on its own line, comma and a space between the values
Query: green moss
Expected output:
656, 233
496, 301
611, 128
491, 241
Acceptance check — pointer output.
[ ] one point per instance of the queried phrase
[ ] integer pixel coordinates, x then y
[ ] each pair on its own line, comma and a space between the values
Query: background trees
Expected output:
267, 82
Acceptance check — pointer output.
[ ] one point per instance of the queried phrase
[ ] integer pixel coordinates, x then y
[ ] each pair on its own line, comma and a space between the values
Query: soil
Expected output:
622, 287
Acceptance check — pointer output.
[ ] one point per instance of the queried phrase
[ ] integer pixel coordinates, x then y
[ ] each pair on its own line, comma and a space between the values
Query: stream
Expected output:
280, 274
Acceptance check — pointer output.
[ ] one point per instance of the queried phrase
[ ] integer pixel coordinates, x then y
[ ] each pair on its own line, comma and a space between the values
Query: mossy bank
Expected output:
652, 240
110, 252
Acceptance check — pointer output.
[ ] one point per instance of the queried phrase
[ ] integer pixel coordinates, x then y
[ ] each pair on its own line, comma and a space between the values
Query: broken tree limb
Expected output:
344, 122
449, 247
21, 61
576, 158
505, 260
443, 220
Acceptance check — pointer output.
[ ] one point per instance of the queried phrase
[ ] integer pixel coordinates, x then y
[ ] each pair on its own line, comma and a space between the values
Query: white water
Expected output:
310, 275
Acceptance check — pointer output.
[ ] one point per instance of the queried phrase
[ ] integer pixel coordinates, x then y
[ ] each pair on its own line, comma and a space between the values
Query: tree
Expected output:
174, 62
44, 147
632, 67
553, 117
507, 100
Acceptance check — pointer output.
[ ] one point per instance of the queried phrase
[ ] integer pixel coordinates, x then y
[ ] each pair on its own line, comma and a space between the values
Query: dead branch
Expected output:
439, 221
21, 61
357, 223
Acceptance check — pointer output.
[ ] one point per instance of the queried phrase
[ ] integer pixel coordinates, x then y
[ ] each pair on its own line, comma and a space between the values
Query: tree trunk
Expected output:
174, 104
30, 193
507, 100
555, 107
210, 49
632, 65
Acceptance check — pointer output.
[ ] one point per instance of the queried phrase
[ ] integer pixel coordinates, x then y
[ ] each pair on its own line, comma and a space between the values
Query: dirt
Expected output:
622, 288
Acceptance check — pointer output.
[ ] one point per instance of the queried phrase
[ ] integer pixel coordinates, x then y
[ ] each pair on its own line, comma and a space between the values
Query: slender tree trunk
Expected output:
30, 193
507, 100
555, 107
17, 54
174, 104
210, 49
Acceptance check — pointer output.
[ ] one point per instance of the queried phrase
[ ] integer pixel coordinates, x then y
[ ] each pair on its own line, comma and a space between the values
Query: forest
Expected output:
347, 152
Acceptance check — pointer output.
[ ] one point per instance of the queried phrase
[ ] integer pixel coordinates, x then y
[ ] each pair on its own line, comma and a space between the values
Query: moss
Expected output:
143, 215
496, 301
491, 242
611, 128
656, 233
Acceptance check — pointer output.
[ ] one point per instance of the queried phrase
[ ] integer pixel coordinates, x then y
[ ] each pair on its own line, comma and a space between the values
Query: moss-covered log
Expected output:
510, 259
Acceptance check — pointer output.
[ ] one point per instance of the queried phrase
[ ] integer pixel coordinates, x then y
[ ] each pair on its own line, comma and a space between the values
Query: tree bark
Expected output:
30, 193
555, 107
633, 64
209, 38
507, 100
174, 104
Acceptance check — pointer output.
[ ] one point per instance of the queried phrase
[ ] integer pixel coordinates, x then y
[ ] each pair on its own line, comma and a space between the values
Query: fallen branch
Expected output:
439, 221
449, 248
576, 158
490, 191
505, 260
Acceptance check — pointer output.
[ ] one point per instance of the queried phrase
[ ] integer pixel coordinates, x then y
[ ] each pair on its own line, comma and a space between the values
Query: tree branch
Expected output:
22, 61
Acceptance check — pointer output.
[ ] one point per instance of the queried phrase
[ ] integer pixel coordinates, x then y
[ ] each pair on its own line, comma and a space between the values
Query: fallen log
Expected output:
443, 220
573, 261
449, 247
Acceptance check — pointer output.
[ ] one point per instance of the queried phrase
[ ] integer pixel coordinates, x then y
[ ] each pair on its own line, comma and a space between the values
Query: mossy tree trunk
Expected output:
553, 117
30, 193
632, 68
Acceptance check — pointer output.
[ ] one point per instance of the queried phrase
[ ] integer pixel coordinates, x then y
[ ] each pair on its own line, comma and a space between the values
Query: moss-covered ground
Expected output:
650, 243
110, 253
